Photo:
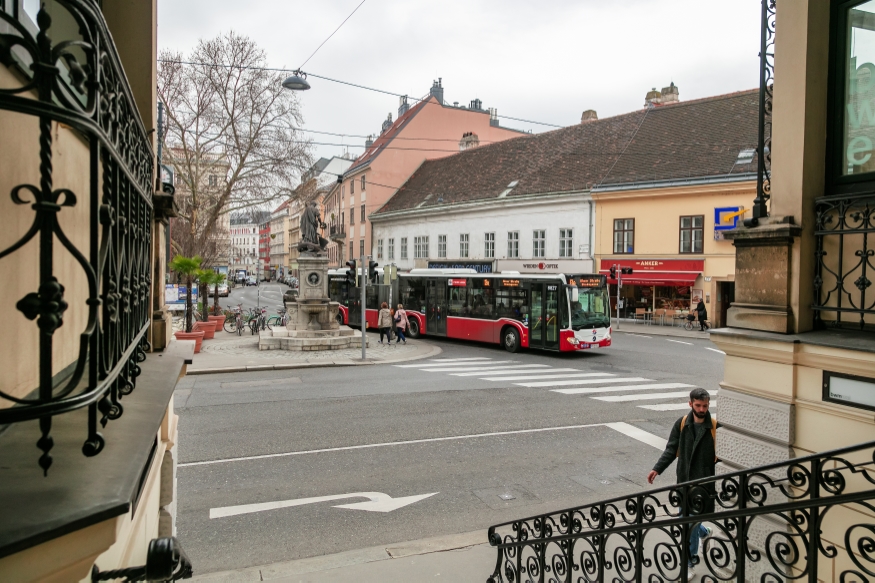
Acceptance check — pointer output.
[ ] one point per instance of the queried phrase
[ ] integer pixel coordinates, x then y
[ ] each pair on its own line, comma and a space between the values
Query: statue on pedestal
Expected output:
311, 223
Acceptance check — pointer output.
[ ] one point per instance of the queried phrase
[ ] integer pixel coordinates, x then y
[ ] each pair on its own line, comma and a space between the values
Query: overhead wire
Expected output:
332, 34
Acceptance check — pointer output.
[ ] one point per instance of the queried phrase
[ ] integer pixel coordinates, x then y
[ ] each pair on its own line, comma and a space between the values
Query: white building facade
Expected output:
544, 233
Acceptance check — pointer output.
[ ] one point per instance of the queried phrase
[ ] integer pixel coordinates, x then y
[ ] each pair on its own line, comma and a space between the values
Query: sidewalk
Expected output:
459, 558
232, 353
639, 327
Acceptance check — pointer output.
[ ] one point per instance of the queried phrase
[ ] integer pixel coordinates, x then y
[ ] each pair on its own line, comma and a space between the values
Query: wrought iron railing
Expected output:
844, 262
793, 521
760, 208
72, 76
336, 232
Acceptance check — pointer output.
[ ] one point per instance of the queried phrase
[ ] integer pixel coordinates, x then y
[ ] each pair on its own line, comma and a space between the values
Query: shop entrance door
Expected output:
436, 315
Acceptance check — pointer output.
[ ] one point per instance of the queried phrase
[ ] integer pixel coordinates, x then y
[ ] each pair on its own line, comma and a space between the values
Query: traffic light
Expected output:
626, 271
351, 273
372, 270
613, 272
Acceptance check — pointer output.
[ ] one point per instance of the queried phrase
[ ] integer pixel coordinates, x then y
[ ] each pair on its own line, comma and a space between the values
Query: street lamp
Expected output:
297, 81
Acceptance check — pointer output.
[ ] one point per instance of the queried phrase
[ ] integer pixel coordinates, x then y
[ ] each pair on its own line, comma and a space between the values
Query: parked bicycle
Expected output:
234, 321
280, 320
259, 323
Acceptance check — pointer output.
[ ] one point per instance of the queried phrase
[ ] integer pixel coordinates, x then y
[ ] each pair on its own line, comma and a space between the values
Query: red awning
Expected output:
656, 278
665, 272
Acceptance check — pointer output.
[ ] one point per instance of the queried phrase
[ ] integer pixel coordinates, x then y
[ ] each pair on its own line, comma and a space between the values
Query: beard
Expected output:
699, 415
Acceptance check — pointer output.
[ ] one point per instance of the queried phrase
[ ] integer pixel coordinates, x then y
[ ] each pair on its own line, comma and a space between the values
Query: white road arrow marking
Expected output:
379, 502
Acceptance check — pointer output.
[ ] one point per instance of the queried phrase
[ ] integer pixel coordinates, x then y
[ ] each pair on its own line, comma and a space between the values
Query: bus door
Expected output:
436, 308
544, 315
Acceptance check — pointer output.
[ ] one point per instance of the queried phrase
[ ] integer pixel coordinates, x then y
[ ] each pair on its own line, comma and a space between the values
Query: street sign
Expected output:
379, 502
726, 218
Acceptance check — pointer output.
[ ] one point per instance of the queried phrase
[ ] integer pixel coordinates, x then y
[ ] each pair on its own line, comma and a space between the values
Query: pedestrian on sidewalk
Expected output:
401, 324
693, 442
384, 323
702, 313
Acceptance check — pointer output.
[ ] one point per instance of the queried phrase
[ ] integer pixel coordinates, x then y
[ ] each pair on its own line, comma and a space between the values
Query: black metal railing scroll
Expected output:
72, 75
844, 262
767, 86
806, 519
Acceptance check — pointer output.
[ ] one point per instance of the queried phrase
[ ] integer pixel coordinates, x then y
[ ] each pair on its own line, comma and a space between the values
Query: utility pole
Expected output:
363, 278
619, 287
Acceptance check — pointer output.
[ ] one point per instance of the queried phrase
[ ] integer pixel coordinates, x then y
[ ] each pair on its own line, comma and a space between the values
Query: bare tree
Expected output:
232, 138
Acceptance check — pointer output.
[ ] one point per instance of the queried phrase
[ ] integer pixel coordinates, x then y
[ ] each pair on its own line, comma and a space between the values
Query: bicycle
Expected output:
692, 322
281, 319
234, 321
259, 322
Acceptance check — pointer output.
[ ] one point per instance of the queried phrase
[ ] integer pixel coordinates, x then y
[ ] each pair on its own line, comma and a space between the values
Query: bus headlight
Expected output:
573, 340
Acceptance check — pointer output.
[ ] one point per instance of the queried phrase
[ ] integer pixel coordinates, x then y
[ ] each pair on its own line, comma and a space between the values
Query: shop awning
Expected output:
665, 272
656, 278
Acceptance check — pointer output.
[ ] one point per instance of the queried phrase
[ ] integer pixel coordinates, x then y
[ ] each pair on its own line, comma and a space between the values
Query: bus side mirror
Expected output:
575, 294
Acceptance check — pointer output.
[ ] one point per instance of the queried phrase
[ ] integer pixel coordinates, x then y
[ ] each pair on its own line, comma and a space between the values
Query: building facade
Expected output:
431, 129
279, 252
86, 482
264, 246
244, 241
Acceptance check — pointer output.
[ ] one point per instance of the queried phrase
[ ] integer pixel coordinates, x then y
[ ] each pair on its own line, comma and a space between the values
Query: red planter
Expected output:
198, 338
209, 328
219, 320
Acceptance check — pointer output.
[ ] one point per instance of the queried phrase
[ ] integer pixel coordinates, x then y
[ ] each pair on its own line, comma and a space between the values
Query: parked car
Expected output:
251, 280
223, 290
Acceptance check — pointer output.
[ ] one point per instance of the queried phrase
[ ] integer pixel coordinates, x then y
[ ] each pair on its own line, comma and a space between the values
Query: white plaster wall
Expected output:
547, 213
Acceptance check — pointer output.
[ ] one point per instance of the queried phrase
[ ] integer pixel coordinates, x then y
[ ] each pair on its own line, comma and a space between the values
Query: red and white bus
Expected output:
550, 312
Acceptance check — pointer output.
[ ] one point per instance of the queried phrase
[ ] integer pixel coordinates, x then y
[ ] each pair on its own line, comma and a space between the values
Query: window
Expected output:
379, 248
361, 247
513, 244
351, 216
463, 245
351, 251
363, 182
391, 250
538, 243
352, 186
692, 234
403, 247
566, 242
489, 245
213, 179
363, 214
442, 245
420, 247
624, 235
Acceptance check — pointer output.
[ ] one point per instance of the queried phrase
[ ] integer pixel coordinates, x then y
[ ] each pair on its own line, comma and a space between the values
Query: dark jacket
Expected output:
695, 457
702, 311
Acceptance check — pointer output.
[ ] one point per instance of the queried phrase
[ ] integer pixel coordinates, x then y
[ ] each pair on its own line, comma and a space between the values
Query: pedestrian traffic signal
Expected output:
351, 273
613, 272
372, 270
626, 271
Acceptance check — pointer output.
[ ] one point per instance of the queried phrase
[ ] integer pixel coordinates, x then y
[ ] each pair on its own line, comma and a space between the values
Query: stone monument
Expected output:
313, 322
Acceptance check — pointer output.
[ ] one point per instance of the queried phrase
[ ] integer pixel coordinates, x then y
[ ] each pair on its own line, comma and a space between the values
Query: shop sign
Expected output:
656, 265
725, 219
849, 390
550, 266
478, 266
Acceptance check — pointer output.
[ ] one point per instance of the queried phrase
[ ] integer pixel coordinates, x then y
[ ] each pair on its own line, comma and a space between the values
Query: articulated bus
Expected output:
551, 312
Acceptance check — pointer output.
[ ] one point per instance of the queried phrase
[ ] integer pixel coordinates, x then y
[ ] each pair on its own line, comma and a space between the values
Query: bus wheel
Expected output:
339, 319
511, 339
413, 328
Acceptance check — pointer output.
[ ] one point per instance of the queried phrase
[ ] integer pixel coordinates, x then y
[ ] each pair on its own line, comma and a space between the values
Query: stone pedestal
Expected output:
313, 322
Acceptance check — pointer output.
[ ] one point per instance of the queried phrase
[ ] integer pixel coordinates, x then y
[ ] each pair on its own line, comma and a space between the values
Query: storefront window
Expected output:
858, 131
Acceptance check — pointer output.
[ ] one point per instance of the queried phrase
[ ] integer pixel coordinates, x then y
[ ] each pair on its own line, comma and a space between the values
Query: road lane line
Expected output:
587, 390
583, 382
525, 369
638, 335
644, 397
527, 375
451, 364
387, 444
639, 434
458, 359
671, 406
679, 342
714, 350
487, 369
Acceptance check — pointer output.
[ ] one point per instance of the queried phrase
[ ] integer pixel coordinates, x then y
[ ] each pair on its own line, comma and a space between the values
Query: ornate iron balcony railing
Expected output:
768, 13
793, 521
72, 76
844, 262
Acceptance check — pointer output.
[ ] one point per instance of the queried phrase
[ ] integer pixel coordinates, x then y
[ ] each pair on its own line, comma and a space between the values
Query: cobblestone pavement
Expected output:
248, 346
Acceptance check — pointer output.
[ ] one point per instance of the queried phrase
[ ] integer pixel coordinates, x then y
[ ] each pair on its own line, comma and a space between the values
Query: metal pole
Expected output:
619, 285
364, 283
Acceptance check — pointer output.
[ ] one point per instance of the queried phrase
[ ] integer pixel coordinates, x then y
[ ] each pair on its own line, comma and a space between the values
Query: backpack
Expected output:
713, 435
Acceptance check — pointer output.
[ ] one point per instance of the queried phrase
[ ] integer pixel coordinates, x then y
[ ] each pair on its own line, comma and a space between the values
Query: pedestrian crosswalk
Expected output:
601, 386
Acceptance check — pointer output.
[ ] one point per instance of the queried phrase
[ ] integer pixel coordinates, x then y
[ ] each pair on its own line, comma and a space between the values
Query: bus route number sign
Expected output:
457, 282
595, 281
510, 283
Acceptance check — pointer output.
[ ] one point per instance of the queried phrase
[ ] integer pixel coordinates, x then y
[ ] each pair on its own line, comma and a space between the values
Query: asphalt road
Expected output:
489, 441
264, 294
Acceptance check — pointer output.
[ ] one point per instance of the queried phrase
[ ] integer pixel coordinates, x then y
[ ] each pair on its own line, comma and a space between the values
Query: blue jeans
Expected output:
400, 333
696, 533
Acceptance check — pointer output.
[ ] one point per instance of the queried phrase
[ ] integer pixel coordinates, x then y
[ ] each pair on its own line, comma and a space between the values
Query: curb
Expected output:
322, 563
433, 351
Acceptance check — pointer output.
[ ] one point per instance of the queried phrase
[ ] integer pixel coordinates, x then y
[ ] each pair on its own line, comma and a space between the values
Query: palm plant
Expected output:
188, 267
204, 280
218, 278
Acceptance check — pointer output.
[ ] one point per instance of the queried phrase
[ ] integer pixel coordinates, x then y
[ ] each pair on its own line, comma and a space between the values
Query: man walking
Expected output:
692, 442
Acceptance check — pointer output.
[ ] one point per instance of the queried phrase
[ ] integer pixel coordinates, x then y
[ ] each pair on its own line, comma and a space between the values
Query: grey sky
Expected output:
540, 60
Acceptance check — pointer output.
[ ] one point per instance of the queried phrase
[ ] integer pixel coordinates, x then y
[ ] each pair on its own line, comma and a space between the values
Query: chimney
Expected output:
588, 116
402, 106
369, 141
476, 105
388, 123
670, 94
469, 140
493, 117
437, 90
653, 98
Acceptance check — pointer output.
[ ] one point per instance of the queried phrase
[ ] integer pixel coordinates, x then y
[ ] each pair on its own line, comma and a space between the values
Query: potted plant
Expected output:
188, 268
205, 281
216, 314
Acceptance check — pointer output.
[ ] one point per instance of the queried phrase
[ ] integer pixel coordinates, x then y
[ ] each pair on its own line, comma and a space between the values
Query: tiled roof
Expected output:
700, 138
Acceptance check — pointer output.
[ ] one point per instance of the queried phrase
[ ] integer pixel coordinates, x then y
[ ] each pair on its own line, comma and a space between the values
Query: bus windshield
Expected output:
591, 310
